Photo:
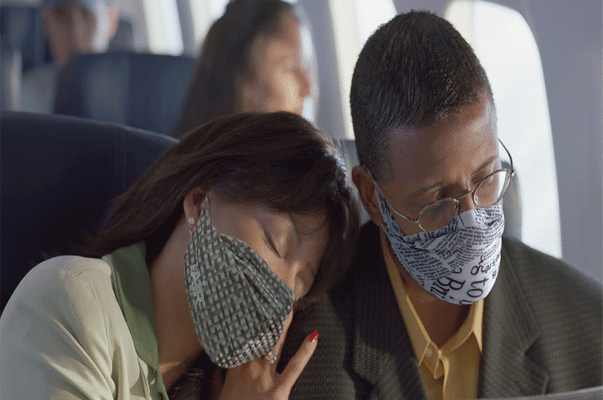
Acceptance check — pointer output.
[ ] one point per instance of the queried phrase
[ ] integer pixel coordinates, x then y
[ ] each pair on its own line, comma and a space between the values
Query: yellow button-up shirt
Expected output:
450, 372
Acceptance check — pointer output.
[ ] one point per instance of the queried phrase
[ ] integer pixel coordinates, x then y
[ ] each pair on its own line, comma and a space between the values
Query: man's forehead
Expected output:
472, 122
468, 138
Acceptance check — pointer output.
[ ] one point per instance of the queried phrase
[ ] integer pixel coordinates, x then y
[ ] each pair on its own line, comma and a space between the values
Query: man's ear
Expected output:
366, 189
193, 204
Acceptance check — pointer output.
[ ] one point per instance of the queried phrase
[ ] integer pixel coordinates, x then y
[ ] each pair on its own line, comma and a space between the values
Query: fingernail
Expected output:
313, 337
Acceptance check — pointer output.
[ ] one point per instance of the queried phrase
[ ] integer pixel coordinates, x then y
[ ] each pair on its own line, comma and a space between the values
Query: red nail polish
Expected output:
313, 337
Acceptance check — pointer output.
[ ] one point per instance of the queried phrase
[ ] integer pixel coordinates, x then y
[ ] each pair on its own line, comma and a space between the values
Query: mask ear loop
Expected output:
191, 220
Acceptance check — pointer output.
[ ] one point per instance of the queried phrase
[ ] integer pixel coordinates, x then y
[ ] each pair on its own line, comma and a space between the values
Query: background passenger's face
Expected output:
279, 80
70, 30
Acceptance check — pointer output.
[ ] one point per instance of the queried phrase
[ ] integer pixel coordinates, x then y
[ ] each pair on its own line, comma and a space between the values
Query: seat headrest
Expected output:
10, 72
141, 90
58, 176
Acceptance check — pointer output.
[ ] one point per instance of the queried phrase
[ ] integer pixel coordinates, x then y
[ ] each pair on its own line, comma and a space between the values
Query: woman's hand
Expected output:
258, 379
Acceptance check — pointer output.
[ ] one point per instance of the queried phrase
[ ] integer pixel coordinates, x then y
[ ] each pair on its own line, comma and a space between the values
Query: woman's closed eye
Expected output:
269, 240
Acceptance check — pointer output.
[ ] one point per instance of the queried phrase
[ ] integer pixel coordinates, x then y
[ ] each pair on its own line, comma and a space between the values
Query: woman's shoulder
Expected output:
64, 321
61, 269
64, 279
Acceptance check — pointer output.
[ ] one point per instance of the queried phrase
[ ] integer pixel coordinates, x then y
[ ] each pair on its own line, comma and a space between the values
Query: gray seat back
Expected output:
58, 176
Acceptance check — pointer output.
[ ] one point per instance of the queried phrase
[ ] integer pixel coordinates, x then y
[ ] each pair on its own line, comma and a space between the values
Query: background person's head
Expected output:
251, 60
78, 26
276, 160
413, 72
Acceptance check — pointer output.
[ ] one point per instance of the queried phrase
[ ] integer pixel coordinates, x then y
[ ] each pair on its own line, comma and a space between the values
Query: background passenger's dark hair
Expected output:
226, 57
414, 71
279, 160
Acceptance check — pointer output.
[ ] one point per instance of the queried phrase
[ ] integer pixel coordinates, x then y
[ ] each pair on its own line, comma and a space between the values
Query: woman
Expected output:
251, 60
199, 262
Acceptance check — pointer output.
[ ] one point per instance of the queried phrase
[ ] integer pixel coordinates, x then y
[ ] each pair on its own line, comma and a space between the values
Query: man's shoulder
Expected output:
556, 293
336, 307
368, 249
535, 269
364, 267
556, 305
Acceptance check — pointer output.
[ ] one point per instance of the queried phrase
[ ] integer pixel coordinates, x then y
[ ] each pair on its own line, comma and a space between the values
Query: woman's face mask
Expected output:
238, 303
457, 263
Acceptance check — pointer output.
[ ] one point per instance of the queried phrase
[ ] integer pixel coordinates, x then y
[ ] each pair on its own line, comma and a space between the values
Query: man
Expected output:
437, 305
71, 27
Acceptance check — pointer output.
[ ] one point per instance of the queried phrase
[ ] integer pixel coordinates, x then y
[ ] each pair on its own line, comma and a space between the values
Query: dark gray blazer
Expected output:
542, 331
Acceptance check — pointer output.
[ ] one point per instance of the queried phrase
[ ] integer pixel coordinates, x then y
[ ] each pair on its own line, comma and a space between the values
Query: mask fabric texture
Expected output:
457, 263
238, 304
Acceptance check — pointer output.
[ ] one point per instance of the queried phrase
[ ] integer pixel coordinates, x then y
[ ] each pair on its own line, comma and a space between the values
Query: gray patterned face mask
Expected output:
238, 304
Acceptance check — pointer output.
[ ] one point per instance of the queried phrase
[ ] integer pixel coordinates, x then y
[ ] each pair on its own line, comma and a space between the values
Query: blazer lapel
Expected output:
510, 329
382, 354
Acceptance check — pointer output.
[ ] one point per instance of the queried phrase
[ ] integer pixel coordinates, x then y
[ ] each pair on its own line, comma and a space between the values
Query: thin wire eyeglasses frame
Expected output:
456, 200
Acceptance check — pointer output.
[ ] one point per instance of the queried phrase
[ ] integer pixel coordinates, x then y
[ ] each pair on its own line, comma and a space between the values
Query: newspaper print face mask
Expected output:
457, 263
238, 303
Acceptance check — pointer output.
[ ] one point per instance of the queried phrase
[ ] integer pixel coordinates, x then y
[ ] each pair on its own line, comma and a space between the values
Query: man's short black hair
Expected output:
414, 71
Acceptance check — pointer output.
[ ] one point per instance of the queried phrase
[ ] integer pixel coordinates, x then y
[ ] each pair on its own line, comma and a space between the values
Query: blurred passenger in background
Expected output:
251, 60
71, 27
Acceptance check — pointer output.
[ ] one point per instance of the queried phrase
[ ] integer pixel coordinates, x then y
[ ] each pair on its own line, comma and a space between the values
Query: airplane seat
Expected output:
58, 175
136, 89
124, 37
10, 70
23, 27
511, 201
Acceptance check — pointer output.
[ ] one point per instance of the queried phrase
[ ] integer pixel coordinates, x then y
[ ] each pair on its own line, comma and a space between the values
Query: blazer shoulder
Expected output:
538, 271
568, 308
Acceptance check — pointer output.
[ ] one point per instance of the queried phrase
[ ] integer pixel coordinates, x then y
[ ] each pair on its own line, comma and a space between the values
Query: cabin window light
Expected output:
352, 26
506, 47
163, 27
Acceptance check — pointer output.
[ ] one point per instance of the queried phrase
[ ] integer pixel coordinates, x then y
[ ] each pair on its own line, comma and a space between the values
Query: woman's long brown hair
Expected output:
279, 160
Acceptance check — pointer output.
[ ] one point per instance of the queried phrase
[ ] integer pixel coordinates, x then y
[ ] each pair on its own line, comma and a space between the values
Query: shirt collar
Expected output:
419, 337
132, 286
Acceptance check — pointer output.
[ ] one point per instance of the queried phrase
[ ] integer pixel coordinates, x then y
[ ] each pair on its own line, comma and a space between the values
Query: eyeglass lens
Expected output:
489, 192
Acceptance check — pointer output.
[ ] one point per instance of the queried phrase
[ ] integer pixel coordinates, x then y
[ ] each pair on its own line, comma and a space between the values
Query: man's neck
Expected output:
440, 318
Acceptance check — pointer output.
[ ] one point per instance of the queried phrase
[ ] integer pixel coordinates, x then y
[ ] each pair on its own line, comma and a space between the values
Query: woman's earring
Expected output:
191, 221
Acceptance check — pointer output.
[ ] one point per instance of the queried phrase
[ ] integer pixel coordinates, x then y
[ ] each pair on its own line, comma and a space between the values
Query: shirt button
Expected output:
429, 352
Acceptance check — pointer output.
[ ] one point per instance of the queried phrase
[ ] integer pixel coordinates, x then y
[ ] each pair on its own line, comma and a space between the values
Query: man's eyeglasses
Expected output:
440, 213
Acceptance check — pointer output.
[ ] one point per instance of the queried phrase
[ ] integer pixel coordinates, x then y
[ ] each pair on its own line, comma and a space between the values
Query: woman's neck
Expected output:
177, 340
